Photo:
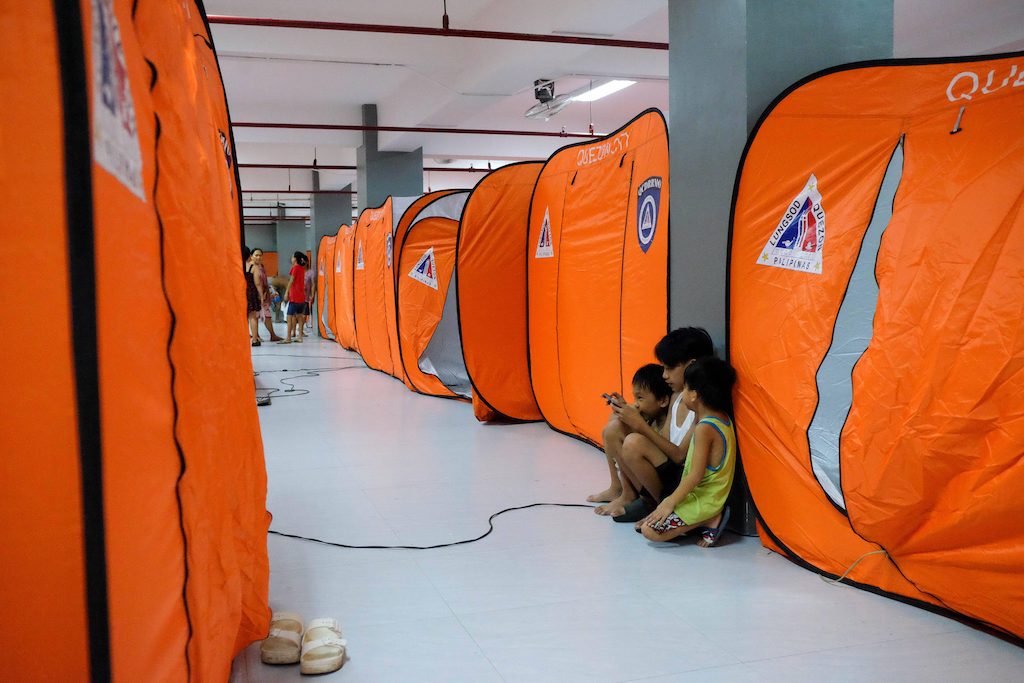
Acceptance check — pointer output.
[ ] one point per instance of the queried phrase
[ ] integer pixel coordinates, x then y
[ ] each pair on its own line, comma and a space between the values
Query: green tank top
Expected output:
713, 488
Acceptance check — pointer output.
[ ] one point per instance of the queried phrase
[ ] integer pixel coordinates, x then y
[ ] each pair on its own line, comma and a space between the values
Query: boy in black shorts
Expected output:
648, 458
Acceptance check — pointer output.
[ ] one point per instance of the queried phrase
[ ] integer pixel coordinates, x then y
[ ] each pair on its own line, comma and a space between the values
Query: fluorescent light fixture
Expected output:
602, 90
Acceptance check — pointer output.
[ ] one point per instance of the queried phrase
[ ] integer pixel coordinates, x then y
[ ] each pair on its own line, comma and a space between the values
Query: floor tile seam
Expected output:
465, 630
848, 646
479, 647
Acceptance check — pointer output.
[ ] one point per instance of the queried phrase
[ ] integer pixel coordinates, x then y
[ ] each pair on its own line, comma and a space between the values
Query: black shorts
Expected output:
670, 474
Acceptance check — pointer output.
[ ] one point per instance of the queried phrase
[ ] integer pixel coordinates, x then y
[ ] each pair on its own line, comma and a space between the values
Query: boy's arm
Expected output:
701, 451
632, 418
288, 289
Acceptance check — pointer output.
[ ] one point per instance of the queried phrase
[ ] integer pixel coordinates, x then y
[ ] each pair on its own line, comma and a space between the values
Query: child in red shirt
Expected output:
295, 296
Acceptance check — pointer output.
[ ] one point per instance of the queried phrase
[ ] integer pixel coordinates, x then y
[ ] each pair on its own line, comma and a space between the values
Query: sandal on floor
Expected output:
323, 648
284, 341
709, 537
257, 342
635, 511
283, 644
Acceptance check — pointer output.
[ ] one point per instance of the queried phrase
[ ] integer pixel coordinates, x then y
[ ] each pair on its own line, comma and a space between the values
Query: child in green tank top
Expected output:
699, 500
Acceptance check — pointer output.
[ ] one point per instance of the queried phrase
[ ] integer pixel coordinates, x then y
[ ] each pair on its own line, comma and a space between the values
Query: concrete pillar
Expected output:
379, 174
728, 59
327, 213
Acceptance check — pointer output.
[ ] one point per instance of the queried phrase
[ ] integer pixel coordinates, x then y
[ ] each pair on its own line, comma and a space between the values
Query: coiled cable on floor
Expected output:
490, 528
268, 392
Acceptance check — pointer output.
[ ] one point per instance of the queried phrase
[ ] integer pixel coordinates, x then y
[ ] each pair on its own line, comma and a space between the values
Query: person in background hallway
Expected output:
307, 317
252, 296
266, 294
295, 294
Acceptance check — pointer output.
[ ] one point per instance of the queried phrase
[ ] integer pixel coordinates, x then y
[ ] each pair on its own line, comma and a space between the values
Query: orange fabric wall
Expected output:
402, 224
43, 568
930, 452
370, 287
344, 316
598, 293
330, 246
325, 250
270, 263
420, 305
162, 623
492, 267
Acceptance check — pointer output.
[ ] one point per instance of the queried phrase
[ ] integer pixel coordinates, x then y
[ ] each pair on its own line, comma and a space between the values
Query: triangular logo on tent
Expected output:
337, 266
359, 259
389, 248
425, 270
798, 240
115, 138
545, 247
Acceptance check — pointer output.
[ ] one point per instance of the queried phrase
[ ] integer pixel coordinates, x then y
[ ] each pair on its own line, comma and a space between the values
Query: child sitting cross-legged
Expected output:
699, 500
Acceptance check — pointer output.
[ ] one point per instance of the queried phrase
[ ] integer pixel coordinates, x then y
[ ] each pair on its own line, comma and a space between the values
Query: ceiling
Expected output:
315, 76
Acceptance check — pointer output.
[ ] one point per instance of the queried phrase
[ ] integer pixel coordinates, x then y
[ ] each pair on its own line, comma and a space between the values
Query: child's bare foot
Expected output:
615, 507
606, 496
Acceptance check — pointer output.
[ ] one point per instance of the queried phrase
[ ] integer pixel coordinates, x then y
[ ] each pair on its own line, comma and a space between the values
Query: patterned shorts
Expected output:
673, 521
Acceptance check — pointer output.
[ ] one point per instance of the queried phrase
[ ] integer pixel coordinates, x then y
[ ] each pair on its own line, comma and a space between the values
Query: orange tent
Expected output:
342, 303
143, 534
875, 294
324, 301
372, 285
491, 263
427, 308
405, 211
597, 274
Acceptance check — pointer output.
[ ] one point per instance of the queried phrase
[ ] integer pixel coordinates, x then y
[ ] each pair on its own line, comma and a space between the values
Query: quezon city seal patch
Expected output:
648, 201
798, 240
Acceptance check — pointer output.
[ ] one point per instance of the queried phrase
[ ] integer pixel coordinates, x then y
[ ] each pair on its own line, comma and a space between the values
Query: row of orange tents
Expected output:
874, 289
532, 295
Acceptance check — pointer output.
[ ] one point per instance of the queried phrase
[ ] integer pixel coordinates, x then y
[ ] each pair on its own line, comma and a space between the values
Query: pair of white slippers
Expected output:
318, 647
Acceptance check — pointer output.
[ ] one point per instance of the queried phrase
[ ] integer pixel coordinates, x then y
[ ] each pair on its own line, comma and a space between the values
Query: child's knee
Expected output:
633, 445
614, 431
650, 534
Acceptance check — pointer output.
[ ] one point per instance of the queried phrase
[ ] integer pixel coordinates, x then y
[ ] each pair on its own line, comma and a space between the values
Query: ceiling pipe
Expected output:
244, 191
437, 32
273, 219
325, 167
410, 129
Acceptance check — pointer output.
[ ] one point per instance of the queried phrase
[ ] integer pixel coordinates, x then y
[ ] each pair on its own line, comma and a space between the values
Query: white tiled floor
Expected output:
554, 594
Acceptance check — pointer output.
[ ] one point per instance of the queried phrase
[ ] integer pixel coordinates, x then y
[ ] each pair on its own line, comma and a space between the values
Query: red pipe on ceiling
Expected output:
327, 167
411, 129
245, 191
273, 219
429, 31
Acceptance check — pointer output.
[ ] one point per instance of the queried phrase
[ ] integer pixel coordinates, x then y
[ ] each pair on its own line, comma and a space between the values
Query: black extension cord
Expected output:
490, 525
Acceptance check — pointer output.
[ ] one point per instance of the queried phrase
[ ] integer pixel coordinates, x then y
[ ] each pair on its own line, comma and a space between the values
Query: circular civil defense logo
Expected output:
648, 201
389, 247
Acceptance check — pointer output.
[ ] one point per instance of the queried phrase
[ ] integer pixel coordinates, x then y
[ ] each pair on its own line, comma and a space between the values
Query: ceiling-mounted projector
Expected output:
548, 104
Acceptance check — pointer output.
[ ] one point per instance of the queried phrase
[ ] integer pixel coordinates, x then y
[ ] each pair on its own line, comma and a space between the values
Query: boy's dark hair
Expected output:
683, 345
649, 378
712, 378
